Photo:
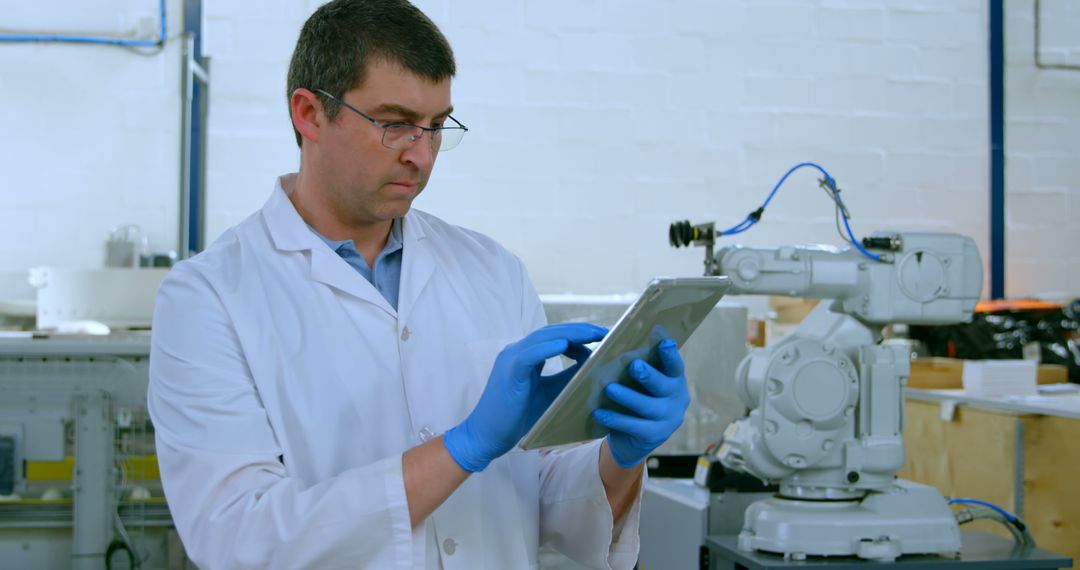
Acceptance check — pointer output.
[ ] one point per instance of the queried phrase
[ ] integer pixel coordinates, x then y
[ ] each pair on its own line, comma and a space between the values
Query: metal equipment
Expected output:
826, 402
83, 485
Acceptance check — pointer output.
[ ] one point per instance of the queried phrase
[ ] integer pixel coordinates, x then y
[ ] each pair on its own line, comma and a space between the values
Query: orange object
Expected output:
1014, 305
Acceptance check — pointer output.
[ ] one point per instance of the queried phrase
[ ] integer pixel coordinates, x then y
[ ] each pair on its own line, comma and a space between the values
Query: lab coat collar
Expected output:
289, 232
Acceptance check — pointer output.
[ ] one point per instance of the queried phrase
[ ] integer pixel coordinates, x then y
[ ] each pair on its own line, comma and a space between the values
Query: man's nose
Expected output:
421, 153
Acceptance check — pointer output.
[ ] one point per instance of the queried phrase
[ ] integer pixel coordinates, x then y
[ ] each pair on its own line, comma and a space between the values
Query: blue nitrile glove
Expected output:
516, 394
656, 414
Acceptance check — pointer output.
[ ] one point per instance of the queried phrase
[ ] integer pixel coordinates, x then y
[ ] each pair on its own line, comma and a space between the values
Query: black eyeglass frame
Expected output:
412, 139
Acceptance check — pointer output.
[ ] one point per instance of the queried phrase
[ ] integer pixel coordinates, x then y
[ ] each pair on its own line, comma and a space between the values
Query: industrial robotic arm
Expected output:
826, 402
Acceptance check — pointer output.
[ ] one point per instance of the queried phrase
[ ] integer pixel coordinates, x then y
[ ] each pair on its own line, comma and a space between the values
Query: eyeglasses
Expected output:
401, 135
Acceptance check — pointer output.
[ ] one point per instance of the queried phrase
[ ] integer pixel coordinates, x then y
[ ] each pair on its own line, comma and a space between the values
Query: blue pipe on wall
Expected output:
90, 39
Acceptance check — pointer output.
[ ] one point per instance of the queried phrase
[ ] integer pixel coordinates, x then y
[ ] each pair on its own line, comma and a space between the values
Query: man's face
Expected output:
367, 182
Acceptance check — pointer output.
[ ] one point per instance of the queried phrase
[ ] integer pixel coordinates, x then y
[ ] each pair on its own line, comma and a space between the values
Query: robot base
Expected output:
907, 518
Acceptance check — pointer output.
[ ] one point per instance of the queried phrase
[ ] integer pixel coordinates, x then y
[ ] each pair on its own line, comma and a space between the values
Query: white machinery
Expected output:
78, 471
826, 402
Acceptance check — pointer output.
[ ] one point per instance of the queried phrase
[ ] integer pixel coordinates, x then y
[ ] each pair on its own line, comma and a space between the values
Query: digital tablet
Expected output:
668, 308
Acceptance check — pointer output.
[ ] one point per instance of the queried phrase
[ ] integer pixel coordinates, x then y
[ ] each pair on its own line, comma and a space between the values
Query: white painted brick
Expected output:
950, 65
823, 60
19, 221
534, 195
811, 131
937, 170
217, 37
729, 130
1037, 243
501, 124
706, 17
724, 58
437, 10
488, 15
591, 197
762, 168
592, 51
562, 15
1031, 277
1059, 169
652, 199
500, 48
870, 60
1019, 172
540, 50
918, 170
935, 29
233, 116
1034, 209
559, 87
665, 129
673, 54
261, 40
918, 98
889, 95
589, 126
633, 90
876, 131
859, 96
780, 21
859, 168
955, 135
950, 206
783, 92
1053, 134
246, 8
491, 84
1060, 31
251, 82
635, 16
860, 25
971, 101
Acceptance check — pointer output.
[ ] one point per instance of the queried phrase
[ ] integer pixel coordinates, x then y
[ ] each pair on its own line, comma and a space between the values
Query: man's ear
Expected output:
307, 114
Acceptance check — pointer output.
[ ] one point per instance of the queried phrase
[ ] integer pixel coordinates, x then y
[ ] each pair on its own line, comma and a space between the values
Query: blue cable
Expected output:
1011, 517
854, 241
754, 217
90, 39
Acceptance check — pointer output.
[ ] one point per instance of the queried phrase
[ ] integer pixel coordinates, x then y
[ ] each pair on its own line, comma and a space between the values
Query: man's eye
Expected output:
397, 125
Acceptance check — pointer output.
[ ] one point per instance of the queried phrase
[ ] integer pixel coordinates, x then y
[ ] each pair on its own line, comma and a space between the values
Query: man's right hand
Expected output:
516, 393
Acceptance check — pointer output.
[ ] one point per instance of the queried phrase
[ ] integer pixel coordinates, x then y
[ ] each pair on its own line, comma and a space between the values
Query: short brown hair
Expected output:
342, 37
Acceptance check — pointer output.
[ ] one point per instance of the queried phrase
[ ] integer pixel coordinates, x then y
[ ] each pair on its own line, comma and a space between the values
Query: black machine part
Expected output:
7, 465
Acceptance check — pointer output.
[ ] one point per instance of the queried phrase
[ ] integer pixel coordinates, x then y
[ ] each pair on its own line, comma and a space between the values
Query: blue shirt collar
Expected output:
347, 246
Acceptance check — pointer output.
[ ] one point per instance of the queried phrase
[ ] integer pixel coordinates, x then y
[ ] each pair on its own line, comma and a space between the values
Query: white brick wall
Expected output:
1043, 150
594, 124
90, 134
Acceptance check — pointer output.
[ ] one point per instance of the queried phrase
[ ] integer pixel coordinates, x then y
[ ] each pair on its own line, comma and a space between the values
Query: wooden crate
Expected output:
939, 373
973, 455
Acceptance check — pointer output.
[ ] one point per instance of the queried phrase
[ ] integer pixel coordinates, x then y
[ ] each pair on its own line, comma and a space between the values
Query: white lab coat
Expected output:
268, 345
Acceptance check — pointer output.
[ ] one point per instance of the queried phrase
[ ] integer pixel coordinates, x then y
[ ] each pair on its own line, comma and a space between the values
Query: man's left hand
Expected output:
656, 414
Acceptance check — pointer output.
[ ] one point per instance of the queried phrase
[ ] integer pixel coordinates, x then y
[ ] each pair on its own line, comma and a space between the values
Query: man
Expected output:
339, 381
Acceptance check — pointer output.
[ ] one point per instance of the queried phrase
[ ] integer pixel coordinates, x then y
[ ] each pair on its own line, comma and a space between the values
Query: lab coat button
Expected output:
426, 433
405, 333
449, 546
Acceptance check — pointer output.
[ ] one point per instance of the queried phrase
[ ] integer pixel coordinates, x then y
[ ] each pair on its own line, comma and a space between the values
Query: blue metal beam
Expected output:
196, 180
997, 149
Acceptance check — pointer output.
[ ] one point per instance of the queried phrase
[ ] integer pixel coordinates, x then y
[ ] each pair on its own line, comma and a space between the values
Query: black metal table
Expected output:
979, 550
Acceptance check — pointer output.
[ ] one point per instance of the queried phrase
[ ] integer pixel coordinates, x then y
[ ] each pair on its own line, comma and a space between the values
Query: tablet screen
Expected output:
668, 308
